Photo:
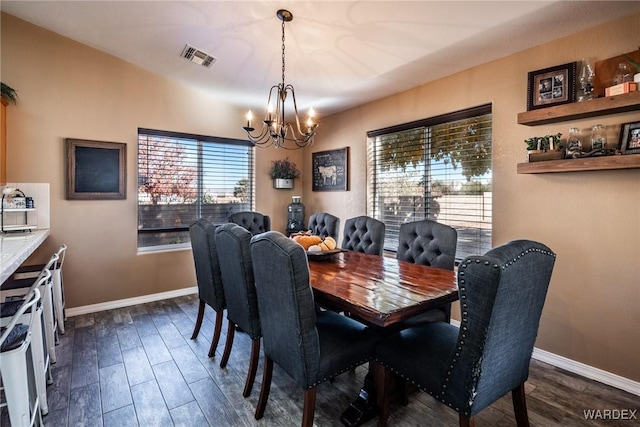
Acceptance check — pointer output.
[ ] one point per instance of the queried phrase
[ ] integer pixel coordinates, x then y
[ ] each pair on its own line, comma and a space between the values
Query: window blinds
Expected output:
438, 169
182, 177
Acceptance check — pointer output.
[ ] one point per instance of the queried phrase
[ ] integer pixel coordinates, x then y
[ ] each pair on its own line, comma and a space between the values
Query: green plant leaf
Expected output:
8, 93
636, 64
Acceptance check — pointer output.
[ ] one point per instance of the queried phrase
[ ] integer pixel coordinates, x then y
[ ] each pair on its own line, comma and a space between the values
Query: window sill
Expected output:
148, 250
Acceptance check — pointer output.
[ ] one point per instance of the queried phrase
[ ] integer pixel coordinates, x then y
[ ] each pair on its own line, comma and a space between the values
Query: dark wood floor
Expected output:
137, 366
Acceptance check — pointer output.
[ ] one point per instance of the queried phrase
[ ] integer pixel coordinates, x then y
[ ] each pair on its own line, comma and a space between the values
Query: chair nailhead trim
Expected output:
335, 374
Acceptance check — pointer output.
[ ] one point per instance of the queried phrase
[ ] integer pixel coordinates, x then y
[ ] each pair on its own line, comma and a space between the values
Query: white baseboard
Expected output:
561, 362
583, 370
587, 371
94, 308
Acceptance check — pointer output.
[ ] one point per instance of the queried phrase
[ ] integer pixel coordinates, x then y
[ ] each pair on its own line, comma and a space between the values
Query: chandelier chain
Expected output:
283, 53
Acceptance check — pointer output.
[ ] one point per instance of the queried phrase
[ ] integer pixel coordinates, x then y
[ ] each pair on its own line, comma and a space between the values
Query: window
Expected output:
439, 169
183, 177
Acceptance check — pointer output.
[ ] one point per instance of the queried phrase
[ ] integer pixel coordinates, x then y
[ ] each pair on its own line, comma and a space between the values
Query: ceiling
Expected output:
339, 54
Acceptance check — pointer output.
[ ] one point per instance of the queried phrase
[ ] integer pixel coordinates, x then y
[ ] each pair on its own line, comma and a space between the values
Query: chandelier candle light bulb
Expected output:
312, 113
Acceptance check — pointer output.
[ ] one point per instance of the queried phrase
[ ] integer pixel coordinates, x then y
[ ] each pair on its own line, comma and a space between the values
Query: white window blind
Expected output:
183, 177
439, 169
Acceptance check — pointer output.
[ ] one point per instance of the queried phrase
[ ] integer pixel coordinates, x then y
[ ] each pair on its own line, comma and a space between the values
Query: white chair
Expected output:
20, 287
58, 284
18, 379
41, 363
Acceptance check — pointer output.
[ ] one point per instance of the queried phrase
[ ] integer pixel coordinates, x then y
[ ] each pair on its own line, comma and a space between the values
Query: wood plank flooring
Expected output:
137, 366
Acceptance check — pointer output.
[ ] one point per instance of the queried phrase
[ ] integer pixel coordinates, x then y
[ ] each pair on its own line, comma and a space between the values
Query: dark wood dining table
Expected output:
379, 291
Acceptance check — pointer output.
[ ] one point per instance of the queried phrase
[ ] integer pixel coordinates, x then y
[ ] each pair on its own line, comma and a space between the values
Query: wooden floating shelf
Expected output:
581, 110
629, 161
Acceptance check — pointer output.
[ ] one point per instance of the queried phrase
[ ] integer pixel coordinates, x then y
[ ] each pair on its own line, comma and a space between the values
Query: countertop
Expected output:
15, 248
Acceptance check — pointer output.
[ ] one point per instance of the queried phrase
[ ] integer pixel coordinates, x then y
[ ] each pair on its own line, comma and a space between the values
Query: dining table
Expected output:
379, 291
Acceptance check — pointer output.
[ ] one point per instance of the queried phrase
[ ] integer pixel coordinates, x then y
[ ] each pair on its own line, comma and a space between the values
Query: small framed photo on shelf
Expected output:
551, 86
630, 138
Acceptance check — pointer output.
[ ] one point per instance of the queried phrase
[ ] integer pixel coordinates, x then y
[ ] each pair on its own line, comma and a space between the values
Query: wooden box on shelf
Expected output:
537, 156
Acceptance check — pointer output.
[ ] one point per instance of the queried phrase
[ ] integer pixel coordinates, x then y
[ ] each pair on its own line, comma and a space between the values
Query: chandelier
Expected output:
275, 130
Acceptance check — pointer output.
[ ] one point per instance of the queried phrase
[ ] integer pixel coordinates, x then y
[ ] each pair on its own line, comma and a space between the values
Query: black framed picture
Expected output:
630, 138
330, 170
96, 170
551, 86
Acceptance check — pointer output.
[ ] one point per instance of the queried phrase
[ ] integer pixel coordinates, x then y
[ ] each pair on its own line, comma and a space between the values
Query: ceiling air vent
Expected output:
197, 56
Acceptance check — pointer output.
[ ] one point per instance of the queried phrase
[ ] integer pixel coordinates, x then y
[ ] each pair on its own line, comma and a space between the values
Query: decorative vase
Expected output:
598, 138
282, 183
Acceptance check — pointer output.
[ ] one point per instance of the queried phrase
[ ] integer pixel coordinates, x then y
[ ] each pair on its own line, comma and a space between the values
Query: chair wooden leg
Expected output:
266, 387
383, 384
231, 330
309, 407
253, 367
196, 330
520, 406
216, 333
466, 421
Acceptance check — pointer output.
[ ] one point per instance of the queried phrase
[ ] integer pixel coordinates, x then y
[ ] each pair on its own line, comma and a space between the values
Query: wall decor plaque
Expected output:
330, 170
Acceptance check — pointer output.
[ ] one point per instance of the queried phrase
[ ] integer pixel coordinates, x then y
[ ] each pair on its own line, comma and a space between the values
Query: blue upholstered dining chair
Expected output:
324, 224
431, 243
310, 346
468, 368
240, 293
255, 222
427, 242
210, 291
364, 234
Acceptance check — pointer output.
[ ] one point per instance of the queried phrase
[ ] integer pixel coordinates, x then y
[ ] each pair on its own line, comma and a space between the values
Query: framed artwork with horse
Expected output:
330, 170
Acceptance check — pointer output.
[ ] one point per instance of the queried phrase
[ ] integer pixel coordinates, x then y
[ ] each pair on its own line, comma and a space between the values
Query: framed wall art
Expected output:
96, 170
551, 86
330, 170
630, 138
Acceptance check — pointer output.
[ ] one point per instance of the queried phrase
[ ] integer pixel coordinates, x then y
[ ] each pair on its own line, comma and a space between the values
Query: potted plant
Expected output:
283, 172
8, 93
538, 147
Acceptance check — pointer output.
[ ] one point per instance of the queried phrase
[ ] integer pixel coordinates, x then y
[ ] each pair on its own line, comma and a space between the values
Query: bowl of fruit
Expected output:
317, 248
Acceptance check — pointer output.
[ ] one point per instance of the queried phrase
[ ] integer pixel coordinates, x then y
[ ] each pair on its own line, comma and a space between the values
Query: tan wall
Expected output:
68, 90
590, 219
